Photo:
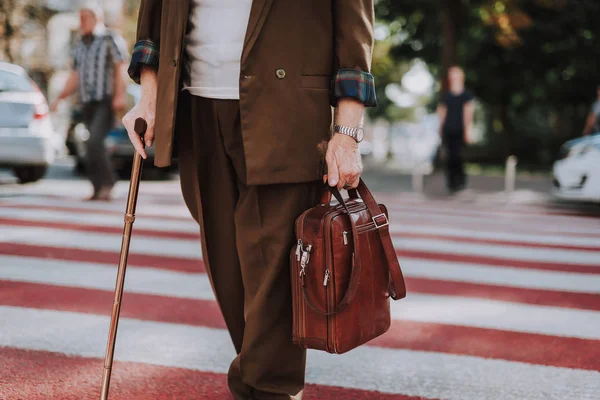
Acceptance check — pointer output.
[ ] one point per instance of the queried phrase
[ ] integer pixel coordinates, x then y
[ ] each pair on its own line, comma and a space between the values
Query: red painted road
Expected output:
473, 337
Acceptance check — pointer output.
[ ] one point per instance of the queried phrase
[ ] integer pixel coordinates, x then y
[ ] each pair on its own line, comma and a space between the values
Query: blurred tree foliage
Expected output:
14, 18
532, 63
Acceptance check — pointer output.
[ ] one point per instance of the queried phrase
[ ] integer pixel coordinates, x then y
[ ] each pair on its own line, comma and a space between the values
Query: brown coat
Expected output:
283, 117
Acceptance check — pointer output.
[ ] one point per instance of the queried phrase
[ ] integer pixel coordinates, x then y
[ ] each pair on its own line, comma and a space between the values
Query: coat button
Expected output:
174, 62
280, 73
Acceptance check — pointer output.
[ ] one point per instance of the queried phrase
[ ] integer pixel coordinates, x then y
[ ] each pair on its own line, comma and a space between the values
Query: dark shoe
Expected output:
103, 194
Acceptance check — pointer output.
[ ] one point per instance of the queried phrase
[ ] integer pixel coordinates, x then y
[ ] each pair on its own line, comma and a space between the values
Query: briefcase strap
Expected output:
397, 285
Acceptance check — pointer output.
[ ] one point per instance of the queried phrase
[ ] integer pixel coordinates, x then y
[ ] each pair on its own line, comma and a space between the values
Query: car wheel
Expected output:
30, 174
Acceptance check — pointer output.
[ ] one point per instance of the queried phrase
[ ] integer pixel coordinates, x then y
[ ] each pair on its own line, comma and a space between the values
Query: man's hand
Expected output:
145, 109
344, 165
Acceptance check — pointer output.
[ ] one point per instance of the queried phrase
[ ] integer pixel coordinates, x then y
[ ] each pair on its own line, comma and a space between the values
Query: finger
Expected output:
354, 183
341, 183
333, 176
149, 136
325, 178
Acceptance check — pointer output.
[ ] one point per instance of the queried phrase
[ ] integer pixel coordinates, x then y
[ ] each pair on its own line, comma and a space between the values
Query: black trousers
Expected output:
455, 172
98, 118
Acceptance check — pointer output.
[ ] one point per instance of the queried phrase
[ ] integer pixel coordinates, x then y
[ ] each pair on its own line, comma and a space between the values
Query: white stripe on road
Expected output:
416, 307
191, 247
515, 236
494, 314
38, 236
111, 220
118, 206
453, 377
502, 276
168, 225
491, 222
182, 284
101, 276
591, 258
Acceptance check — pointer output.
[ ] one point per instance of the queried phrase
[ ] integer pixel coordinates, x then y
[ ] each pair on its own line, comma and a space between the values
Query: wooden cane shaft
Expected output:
125, 242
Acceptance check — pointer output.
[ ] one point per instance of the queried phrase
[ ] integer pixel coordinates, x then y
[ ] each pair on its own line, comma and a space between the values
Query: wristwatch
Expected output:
357, 134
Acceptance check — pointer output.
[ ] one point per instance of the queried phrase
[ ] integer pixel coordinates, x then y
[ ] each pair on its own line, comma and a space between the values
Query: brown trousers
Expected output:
247, 236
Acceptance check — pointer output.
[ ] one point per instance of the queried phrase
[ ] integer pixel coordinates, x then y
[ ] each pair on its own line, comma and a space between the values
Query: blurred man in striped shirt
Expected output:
98, 63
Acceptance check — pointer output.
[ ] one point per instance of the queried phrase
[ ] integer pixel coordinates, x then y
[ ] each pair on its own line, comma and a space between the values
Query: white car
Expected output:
28, 143
577, 171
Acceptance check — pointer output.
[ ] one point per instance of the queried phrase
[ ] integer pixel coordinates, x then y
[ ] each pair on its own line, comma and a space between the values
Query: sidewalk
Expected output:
534, 190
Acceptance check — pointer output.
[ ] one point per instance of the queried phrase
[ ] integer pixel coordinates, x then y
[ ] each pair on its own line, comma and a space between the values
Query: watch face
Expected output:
360, 134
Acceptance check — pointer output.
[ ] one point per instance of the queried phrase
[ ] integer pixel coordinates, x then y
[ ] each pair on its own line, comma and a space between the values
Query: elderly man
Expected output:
241, 91
98, 68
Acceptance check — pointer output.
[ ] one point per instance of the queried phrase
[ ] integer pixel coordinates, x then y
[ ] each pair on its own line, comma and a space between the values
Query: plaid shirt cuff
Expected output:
145, 52
355, 84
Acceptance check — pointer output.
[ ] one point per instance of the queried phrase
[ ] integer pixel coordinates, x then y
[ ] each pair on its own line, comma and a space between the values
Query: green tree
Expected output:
531, 63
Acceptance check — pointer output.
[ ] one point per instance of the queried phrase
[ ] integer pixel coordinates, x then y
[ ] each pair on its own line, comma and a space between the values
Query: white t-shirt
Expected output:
214, 44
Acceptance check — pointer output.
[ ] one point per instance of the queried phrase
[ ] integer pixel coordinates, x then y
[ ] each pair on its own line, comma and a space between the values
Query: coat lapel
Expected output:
258, 15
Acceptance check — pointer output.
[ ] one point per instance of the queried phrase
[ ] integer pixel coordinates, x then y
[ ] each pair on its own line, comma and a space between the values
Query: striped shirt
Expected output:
94, 59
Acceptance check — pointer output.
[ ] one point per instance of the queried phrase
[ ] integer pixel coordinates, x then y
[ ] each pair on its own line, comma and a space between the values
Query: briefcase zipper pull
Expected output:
305, 257
345, 234
299, 250
327, 276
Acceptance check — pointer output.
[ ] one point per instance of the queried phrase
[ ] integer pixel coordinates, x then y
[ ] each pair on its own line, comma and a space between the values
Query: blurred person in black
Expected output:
592, 124
456, 120
98, 68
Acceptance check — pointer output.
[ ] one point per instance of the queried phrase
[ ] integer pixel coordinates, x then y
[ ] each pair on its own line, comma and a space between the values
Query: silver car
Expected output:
27, 140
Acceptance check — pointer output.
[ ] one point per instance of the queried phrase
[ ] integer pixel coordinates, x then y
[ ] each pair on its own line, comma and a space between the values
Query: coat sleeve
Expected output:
147, 47
353, 22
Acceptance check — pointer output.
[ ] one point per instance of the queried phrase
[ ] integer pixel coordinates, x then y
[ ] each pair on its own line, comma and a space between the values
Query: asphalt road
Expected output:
503, 300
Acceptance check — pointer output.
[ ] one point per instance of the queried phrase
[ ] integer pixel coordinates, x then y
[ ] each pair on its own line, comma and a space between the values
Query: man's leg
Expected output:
99, 121
209, 187
265, 217
454, 162
269, 363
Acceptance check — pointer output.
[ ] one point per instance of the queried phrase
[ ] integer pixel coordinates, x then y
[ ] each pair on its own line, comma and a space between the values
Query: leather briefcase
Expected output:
344, 269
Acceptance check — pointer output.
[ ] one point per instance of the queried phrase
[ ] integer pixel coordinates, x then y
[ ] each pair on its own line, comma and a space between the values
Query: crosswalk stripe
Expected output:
132, 380
444, 338
590, 258
554, 240
494, 224
423, 307
93, 219
366, 368
98, 256
513, 277
189, 248
180, 230
554, 289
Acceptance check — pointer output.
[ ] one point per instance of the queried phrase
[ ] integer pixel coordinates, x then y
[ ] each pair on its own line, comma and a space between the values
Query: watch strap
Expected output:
345, 130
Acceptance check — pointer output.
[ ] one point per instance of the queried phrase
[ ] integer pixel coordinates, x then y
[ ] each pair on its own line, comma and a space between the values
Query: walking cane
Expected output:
134, 184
